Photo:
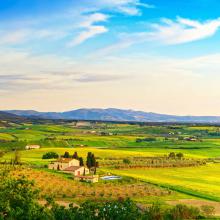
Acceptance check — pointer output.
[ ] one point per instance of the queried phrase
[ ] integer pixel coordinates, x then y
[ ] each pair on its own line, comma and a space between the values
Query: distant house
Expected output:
90, 179
83, 124
30, 147
190, 139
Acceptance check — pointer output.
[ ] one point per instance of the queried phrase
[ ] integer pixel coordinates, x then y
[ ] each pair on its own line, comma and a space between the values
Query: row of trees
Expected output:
19, 200
90, 160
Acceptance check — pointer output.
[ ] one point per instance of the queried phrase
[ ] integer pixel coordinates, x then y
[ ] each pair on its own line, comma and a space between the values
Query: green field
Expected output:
201, 181
114, 142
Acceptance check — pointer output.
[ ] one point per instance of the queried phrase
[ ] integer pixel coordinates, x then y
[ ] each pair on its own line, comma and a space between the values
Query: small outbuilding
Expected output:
89, 179
77, 170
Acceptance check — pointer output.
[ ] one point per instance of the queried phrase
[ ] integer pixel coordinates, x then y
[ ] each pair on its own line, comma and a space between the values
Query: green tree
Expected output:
172, 155
119, 210
66, 155
179, 155
89, 160
126, 161
18, 200
81, 162
75, 156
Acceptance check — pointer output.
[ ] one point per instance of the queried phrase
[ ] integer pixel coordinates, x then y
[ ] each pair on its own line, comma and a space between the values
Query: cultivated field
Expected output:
202, 181
139, 153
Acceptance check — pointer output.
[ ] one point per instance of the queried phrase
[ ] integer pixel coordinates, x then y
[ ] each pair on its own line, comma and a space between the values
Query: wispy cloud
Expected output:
166, 32
83, 21
90, 29
21, 71
183, 30
128, 7
87, 78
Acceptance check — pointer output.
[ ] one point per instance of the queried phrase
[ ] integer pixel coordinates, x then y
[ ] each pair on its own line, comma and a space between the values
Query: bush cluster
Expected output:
50, 155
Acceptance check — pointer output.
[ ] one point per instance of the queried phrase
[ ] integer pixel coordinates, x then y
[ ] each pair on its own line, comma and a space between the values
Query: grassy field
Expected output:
119, 141
122, 137
203, 181
35, 156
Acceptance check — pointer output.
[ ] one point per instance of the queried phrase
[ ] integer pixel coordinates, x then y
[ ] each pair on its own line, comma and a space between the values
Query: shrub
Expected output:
50, 155
153, 212
179, 155
183, 212
208, 210
172, 155
149, 139
126, 161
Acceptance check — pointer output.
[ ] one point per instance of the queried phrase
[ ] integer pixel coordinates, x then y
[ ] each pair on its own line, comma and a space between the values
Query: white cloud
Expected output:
92, 31
129, 7
82, 18
167, 32
183, 30
91, 19
89, 28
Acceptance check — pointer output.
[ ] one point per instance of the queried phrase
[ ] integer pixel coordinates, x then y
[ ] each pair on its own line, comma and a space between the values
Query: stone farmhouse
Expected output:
69, 165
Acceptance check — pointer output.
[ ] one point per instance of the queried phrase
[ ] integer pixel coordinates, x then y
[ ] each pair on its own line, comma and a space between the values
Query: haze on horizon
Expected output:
156, 56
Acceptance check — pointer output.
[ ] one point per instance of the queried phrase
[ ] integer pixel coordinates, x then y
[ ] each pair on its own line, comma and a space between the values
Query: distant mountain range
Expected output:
113, 114
9, 117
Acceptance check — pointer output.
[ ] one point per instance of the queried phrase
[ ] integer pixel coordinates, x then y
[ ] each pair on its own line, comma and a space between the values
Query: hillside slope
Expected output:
113, 114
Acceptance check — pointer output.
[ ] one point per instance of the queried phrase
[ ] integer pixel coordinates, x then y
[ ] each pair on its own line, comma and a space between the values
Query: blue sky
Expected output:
159, 56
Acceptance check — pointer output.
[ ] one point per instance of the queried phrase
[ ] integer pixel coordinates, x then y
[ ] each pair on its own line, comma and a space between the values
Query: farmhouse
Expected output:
89, 179
29, 147
69, 165
63, 163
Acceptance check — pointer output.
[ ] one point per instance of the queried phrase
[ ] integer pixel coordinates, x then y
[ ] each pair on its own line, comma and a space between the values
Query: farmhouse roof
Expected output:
72, 168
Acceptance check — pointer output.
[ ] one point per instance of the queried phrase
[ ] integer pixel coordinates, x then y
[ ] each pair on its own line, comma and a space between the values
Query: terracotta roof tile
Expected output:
72, 168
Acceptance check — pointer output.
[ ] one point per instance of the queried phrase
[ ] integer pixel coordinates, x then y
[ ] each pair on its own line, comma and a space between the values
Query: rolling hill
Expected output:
7, 118
113, 114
